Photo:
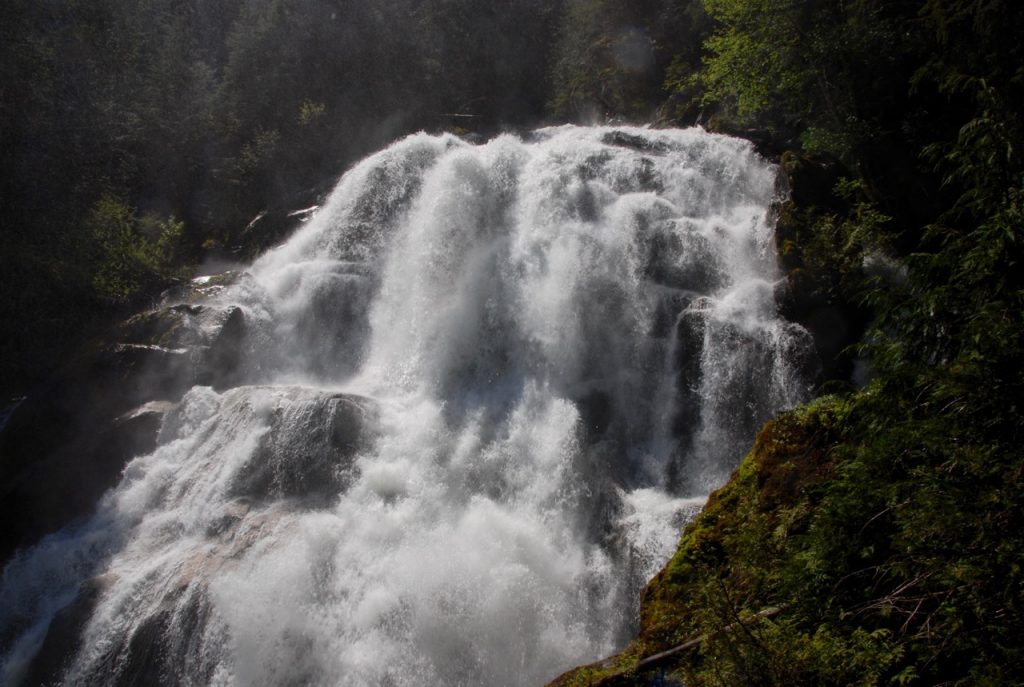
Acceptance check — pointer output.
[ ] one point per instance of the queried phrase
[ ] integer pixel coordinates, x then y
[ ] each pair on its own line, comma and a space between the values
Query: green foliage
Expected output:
591, 78
781, 653
819, 69
745, 66
212, 112
133, 255
611, 58
887, 523
310, 112
834, 253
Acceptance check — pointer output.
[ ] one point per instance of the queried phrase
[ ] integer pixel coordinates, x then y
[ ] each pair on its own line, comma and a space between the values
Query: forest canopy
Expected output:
203, 114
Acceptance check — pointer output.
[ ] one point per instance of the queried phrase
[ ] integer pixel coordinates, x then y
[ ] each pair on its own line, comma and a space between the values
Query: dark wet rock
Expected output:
176, 326
272, 225
690, 332
596, 413
691, 328
64, 635
162, 644
203, 288
208, 339
802, 353
592, 166
61, 452
472, 137
601, 469
142, 372
7, 409
770, 143
332, 328
146, 419
267, 229
668, 305
681, 260
835, 330
143, 664
220, 361
67, 443
308, 452
161, 649
622, 139
647, 177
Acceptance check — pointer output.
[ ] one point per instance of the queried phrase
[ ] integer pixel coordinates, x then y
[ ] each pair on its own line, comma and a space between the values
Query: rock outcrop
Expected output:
67, 443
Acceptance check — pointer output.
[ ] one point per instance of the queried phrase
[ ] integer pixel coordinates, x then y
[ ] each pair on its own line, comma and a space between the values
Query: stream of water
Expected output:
484, 387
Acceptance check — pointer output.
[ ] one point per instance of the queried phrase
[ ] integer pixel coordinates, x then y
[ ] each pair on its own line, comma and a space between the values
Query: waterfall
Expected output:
477, 397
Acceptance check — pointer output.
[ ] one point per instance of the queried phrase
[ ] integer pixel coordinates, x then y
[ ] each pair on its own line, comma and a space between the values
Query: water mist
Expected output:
481, 392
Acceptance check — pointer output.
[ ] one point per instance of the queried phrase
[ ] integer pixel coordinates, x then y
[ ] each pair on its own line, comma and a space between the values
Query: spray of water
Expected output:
484, 387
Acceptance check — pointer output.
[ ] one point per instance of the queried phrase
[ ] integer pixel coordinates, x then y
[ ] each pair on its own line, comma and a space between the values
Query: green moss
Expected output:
728, 564
134, 256
887, 527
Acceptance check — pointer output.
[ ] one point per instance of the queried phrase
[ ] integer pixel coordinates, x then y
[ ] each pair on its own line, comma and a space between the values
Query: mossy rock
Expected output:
730, 557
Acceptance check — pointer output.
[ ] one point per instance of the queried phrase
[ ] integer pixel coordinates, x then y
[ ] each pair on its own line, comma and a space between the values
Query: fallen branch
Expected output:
610, 679
657, 658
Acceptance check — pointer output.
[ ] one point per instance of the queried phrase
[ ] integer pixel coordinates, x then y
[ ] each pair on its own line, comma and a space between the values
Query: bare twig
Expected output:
668, 653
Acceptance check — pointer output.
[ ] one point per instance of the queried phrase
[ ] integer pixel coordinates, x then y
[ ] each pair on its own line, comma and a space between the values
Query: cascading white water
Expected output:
485, 386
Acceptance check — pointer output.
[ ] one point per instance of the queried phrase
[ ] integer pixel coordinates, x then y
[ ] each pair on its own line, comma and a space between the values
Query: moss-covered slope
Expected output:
730, 560
866, 539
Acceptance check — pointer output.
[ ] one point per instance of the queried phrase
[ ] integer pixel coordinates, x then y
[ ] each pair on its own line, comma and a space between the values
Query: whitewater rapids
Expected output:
483, 388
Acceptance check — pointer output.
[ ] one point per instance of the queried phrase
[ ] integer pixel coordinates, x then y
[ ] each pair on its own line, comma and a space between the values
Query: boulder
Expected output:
210, 337
307, 454
271, 226
203, 288
690, 333
67, 442
622, 139
304, 460
60, 454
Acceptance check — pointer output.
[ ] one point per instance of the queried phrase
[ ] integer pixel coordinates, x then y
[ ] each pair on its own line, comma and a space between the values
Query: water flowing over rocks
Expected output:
441, 436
